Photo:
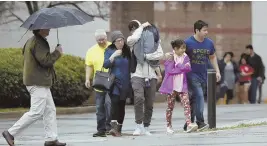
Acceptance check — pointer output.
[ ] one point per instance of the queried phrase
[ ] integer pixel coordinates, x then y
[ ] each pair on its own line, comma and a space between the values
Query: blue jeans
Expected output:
197, 88
253, 91
103, 109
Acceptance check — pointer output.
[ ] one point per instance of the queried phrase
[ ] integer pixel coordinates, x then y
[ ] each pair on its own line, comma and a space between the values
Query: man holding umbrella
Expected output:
39, 73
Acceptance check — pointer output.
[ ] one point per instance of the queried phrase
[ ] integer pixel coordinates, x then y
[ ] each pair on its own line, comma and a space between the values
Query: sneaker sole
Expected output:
137, 134
99, 135
147, 134
203, 128
141, 133
169, 133
192, 129
115, 134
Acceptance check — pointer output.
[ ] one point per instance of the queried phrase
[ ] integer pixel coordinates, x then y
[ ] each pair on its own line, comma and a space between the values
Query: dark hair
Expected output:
36, 32
199, 25
155, 32
126, 52
228, 53
249, 47
177, 43
243, 56
133, 25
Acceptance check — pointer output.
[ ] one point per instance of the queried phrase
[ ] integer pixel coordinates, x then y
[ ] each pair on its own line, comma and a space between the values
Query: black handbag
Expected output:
103, 80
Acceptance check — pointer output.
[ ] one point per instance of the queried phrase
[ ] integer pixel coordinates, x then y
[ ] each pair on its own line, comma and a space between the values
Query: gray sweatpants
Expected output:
143, 100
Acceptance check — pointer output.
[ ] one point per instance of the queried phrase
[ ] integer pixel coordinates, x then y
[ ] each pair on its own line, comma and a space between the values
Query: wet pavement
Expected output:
77, 130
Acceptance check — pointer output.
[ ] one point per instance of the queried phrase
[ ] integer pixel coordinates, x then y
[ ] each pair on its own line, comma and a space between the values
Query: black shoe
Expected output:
54, 143
9, 138
202, 126
100, 134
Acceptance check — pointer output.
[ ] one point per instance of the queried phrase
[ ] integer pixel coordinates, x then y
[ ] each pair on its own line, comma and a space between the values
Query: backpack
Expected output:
155, 32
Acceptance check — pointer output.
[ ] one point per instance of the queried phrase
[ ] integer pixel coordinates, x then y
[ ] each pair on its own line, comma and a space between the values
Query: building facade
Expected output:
229, 22
232, 25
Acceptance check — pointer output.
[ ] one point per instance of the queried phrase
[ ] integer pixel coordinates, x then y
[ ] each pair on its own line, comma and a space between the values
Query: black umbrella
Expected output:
56, 17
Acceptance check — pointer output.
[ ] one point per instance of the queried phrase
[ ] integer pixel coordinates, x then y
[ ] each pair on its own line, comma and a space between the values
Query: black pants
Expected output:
260, 93
117, 108
229, 94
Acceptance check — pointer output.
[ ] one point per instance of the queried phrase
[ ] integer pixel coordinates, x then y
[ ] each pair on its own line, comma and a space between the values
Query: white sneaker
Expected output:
138, 130
169, 130
147, 131
192, 127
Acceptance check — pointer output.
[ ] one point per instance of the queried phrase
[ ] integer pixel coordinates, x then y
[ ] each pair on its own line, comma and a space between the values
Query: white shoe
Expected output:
147, 131
169, 130
138, 130
192, 127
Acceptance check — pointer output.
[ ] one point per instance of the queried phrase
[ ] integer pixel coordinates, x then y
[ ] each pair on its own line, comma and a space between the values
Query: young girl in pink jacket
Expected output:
175, 84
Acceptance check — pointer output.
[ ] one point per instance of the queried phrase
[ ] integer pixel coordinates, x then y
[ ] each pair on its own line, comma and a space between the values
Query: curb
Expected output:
60, 111
73, 110
247, 122
235, 124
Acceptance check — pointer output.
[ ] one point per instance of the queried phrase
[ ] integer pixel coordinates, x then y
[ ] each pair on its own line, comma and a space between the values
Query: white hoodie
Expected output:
157, 55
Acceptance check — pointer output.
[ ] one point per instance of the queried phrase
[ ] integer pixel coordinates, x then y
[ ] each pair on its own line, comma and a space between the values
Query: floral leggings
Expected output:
171, 102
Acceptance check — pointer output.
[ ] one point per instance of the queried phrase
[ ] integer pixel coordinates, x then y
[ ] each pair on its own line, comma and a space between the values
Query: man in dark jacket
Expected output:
254, 60
38, 77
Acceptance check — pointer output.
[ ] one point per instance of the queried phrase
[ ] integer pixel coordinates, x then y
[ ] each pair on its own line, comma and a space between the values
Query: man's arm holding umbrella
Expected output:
44, 57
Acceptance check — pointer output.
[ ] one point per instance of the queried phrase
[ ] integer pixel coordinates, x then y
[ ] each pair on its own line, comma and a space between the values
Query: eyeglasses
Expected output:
119, 41
101, 40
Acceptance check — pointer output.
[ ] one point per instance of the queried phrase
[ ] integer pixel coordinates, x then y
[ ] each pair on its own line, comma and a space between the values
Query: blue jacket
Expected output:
120, 67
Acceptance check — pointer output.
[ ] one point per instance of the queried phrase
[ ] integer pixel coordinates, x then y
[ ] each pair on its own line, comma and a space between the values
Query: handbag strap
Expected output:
109, 70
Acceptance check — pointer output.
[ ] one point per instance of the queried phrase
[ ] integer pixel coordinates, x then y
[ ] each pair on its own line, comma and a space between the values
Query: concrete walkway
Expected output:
77, 130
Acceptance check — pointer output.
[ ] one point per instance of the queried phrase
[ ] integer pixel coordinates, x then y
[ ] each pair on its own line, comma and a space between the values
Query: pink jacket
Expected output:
170, 70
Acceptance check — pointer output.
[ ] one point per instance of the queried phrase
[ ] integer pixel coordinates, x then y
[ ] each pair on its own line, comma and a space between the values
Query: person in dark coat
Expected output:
117, 59
255, 61
229, 73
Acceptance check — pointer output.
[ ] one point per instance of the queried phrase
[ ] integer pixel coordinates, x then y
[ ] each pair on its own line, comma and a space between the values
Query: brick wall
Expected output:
123, 12
229, 22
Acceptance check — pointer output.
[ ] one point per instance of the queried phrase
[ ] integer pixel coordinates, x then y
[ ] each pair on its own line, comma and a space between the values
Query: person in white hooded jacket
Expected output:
143, 95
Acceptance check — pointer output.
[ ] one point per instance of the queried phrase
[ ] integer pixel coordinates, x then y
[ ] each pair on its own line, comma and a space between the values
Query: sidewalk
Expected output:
77, 129
254, 136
